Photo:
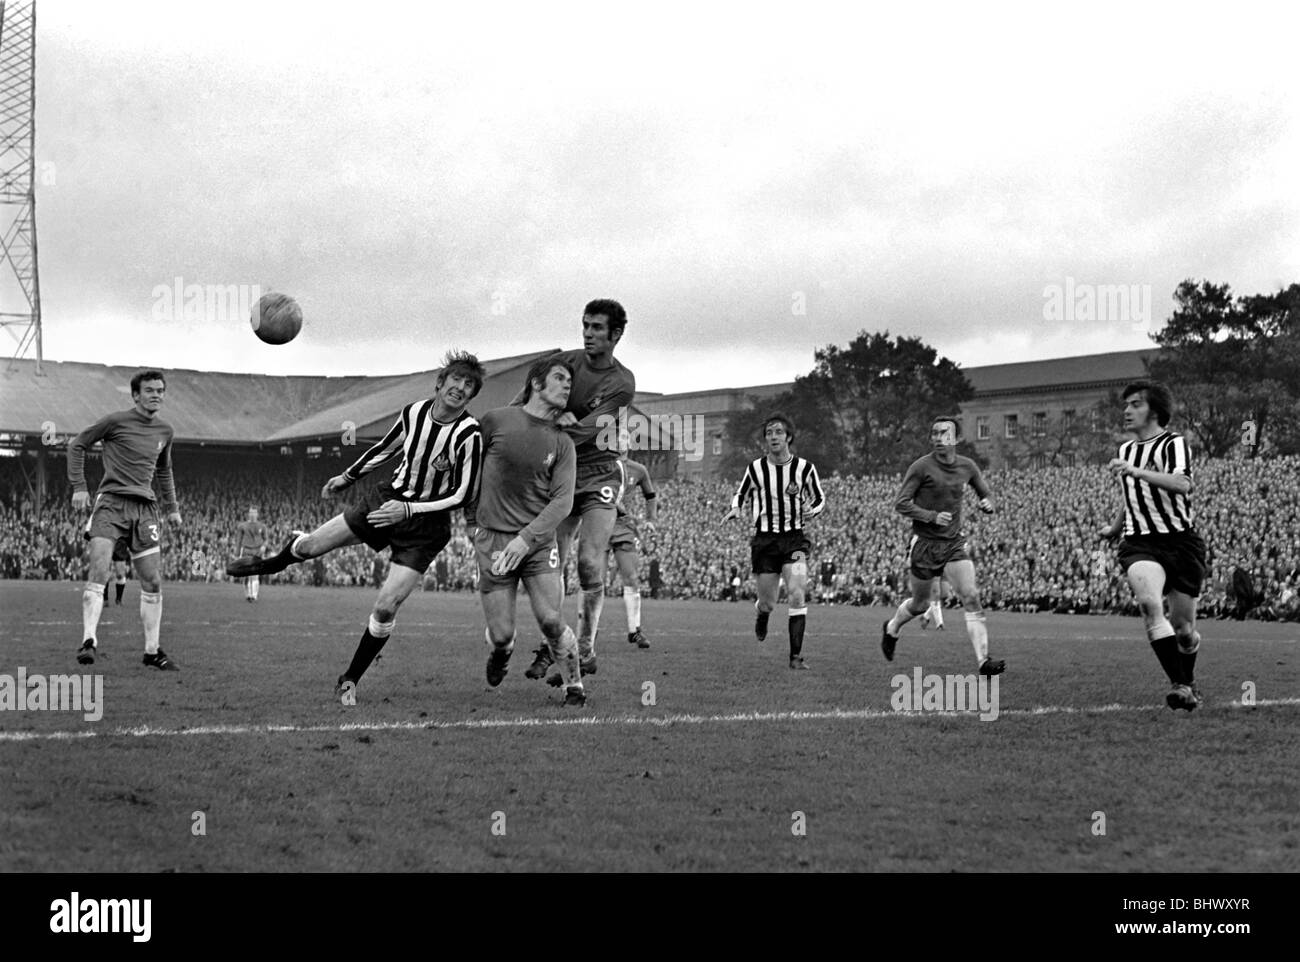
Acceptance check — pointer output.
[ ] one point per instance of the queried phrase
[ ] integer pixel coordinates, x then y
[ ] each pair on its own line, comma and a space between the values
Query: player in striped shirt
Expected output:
250, 542
137, 449
931, 495
440, 449
1161, 553
779, 483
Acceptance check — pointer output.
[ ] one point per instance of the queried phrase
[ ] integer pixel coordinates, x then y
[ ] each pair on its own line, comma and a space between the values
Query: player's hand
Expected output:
388, 513
1106, 532
986, 505
510, 556
334, 485
733, 513
567, 420
1119, 467
174, 517
80, 499
943, 519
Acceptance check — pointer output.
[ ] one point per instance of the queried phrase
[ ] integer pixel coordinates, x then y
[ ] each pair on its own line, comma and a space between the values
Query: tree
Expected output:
864, 409
1234, 367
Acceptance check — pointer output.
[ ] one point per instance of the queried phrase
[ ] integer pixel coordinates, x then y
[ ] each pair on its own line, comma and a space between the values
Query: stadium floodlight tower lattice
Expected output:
20, 290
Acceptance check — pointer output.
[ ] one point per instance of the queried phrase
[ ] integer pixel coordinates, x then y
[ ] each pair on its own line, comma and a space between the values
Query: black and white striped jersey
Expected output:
440, 462
779, 491
1148, 509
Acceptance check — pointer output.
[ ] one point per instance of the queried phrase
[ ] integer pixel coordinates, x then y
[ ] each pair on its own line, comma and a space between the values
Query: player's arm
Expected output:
983, 490
563, 481
747, 484
813, 485
905, 504
167, 484
1177, 479
582, 431
77, 449
375, 455
1115, 527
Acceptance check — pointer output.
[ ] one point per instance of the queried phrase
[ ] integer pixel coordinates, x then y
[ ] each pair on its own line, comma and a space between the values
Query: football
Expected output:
276, 318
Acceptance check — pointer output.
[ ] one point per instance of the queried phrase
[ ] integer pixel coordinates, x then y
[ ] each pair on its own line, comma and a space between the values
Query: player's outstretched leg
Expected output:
1182, 614
93, 597
593, 546
962, 576
768, 584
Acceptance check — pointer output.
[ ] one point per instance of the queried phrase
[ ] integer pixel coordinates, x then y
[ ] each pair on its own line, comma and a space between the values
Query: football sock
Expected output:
798, 618
106, 592
151, 615
1165, 645
256, 582
632, 602
565, 653
1188, 646
979, 635
372, 641
902, 616
121, 587
936, 614
593, 599
92, 603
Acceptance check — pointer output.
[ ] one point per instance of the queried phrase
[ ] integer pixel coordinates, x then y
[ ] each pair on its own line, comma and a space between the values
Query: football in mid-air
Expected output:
276, 318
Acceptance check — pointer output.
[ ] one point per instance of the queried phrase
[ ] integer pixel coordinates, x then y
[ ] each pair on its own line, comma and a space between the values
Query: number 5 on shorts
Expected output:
555, 556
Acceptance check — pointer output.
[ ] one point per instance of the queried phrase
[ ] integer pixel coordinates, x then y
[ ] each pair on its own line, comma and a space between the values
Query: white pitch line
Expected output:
660, 721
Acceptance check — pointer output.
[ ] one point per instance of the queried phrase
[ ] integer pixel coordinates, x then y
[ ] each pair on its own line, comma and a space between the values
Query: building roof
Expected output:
223, 407
1058, 372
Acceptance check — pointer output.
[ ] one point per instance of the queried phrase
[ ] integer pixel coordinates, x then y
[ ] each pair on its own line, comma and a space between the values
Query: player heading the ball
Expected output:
440, 446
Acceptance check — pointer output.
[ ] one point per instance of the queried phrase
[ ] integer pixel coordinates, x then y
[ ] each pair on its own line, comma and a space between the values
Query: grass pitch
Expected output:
434, 771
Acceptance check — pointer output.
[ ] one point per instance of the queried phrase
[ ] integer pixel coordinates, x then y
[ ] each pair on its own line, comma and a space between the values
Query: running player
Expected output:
779, 483
440, 447
527, 490
625, 543
137, 447
931, 496
250, 542
601, 385
1161, 553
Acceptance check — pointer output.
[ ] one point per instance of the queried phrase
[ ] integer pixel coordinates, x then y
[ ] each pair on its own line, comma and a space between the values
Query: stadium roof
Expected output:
221, 407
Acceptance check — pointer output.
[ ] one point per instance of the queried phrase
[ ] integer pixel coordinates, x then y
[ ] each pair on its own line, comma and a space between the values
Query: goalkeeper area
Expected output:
704, 752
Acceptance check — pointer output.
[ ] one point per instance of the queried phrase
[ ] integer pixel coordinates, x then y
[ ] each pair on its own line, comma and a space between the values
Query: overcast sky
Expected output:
423, 176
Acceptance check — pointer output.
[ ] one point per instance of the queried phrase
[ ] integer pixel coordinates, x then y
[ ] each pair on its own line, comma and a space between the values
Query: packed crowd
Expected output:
1038, 552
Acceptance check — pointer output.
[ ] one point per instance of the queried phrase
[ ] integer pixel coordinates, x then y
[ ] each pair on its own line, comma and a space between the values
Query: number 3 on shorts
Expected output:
555, 556
606, 494
153, 532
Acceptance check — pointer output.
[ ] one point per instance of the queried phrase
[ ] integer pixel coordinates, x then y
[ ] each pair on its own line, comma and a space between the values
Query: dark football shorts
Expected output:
928, 557
597, 487
770, 552
415, 542
132, 520
624, 537
543, 560
1181, 554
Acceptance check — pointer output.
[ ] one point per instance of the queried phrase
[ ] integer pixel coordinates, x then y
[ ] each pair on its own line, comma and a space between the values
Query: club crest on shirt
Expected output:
160, 445
440, 463
792, 489
595, 403
546, 461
